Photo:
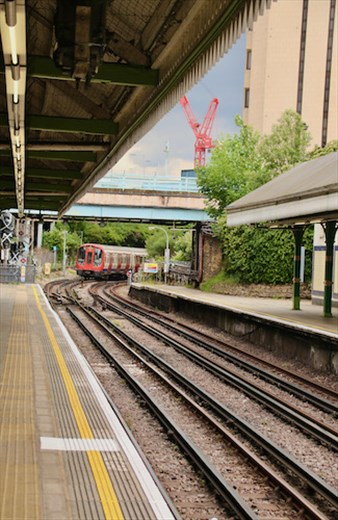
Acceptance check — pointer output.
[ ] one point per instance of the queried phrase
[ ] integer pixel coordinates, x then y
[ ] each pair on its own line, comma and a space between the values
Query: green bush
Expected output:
260, 255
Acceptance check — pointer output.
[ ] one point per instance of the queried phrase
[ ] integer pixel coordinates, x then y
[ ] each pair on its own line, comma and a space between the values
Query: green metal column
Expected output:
330, 229
298, 235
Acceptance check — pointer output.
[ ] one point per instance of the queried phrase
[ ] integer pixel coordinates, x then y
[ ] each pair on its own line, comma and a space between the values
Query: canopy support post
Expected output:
330, 229
298, 235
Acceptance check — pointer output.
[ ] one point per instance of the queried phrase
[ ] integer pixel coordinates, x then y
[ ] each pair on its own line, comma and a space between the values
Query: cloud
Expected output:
225, 82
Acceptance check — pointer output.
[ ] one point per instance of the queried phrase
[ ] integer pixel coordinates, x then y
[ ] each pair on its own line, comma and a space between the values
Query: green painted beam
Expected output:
120, 74
62, 155
57, 155
71, 125
7, 202
42, 205
44, 198
115, 73
3, 120
48, 188
7, 185
6, 171
44, 173
31, 186
66, 124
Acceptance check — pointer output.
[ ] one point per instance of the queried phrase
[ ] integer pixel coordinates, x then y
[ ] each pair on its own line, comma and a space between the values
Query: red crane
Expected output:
202, 132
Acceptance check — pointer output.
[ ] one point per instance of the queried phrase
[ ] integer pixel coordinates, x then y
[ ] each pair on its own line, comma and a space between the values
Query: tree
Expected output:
318, 151
182, 247
286, 145
56, 238
122, 234
238, 165
235, 168
261, 255
241, 163
156, 244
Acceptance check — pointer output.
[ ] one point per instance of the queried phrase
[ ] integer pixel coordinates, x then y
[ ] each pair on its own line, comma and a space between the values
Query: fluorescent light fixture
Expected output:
15, 69
10, 12
12, 39
16, 114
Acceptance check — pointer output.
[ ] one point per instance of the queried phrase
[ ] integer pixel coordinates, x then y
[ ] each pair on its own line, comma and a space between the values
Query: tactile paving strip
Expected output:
19, 482
64, 452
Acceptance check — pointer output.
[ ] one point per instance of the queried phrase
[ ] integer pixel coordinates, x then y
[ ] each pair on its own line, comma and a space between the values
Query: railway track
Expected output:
223, 420
214, 477
307, 422
234, 354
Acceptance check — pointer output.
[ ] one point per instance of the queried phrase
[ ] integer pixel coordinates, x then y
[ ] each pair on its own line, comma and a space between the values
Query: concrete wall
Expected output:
273, 73
141, 199
212, 257
313, 349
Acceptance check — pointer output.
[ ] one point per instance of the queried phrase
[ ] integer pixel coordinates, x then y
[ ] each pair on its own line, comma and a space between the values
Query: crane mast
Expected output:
202, 131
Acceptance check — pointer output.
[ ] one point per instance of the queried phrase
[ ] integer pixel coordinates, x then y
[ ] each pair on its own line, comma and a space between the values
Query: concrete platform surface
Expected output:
310, 316
64, 453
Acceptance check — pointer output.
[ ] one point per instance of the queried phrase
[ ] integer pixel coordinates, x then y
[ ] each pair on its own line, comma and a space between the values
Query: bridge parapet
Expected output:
138, 198
149, 183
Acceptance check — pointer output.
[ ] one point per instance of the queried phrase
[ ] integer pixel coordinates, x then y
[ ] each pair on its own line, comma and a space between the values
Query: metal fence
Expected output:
17, 274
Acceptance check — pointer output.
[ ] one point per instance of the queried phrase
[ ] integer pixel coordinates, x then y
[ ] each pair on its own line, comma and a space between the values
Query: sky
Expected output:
173, 133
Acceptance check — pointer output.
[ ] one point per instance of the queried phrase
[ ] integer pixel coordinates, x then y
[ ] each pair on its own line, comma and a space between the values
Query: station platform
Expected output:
304, 335
64, 453
310, 317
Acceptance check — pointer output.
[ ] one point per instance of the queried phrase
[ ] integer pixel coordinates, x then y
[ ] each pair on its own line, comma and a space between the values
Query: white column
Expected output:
39, 237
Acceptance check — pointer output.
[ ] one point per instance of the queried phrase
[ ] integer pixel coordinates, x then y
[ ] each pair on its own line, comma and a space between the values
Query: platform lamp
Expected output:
166, 251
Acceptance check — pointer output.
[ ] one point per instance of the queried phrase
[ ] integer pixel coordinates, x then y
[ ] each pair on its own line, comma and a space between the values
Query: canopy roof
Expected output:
305, 194
82, 81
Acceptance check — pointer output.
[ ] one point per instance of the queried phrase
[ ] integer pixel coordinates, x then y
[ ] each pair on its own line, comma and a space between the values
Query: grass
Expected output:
217, 280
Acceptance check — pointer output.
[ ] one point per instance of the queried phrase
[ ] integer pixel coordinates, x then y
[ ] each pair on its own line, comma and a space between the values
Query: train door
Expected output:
137, 262
81, 255
119, 262
89, 257
115, 262
98, 257
110, 259
126, 262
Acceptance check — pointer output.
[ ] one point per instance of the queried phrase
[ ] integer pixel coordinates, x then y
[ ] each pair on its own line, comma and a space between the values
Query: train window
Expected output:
89, 257
97, 256
81, 255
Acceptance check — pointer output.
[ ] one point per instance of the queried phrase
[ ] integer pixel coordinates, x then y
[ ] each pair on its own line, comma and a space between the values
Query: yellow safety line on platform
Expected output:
19, 478
105, 489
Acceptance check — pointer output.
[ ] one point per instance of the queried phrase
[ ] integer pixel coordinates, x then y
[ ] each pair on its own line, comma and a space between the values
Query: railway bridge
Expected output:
166, 200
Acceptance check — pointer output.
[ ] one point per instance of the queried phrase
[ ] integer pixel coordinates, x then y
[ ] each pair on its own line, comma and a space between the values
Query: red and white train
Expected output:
100, 261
